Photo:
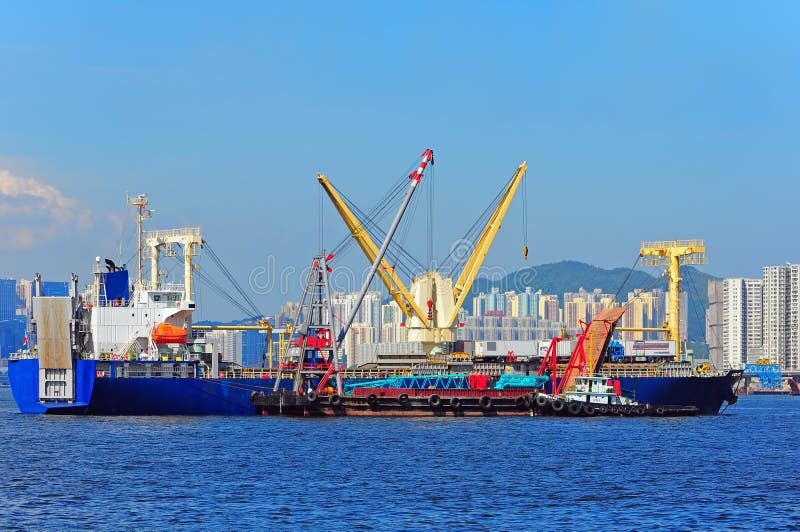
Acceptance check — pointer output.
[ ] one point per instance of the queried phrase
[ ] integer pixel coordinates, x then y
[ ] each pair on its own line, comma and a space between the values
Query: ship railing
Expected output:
155, 370
264, 373
631, 370
163, 287
245, 373
24, 355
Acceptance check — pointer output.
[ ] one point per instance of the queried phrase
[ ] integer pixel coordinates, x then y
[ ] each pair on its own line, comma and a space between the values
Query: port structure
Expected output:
432, 303
190, 240
263, 325
671, 254
770, 375
311, 359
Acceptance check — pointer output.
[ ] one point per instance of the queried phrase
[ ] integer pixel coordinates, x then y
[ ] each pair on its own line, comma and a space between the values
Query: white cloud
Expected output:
32, 212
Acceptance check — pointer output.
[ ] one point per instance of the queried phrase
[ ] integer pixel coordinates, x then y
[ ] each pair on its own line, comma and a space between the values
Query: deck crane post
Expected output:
464, 283
390, 279
415, 177
673, 254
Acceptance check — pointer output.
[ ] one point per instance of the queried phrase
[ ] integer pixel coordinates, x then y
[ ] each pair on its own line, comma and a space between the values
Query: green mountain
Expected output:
570, 276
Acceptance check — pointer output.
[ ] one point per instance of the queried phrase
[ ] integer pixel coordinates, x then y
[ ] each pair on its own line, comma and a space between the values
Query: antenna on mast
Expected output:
142, 213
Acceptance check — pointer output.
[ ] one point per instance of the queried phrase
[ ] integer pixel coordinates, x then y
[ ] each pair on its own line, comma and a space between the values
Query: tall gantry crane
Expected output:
433, 301
672, 254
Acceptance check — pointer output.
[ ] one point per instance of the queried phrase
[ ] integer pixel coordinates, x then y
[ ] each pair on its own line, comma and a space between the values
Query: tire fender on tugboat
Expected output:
541, 400
557, 405
434, 400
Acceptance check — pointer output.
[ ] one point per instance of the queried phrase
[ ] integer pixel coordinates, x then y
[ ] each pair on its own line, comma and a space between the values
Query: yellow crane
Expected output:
673, 254
263, 325
430, 290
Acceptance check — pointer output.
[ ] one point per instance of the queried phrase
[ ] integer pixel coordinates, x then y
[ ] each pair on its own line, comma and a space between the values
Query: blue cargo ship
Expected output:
180, 391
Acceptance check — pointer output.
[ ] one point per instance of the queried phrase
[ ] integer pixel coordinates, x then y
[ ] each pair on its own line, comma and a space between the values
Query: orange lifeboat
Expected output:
164, 333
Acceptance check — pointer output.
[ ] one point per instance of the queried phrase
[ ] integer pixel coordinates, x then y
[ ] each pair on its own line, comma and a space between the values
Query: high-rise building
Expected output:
714, 327
794, 317
228, 343
370, 311
576, 310
512, 304
8, 299
548, 307
754, 319
359, 333
776, 314
479, 305
645, 310
393, 328
741, 321
525, 303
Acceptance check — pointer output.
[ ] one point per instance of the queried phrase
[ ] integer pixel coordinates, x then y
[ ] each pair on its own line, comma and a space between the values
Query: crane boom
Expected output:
387, 274
467, 277
415, 177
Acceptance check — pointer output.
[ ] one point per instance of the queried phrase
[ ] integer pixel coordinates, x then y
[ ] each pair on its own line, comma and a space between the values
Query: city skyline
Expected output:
228, 133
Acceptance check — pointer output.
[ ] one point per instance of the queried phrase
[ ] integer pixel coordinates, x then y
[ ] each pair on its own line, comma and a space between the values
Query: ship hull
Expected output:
232, 396
706, 393
137, 396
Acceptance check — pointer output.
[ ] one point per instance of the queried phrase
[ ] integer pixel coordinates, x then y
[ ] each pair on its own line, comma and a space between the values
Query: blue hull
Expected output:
139, 396
706, 393
231, 397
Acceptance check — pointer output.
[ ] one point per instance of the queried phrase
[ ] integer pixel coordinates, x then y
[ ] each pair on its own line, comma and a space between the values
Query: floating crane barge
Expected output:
580, 390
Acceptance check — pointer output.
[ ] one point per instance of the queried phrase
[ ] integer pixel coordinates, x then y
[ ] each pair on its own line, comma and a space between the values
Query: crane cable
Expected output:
231, 279
431, 205
525, 216
378, 211
697, 302
214, 285
627, 277
395, 251
473, 231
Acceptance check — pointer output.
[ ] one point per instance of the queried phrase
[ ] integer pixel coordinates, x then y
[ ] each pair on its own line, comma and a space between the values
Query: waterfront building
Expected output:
794, 317
393, 328
714, 327
776, 315
741, 321
645, 310
359, 334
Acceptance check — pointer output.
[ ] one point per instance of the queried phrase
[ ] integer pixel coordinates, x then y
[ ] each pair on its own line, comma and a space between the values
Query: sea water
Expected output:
738, 470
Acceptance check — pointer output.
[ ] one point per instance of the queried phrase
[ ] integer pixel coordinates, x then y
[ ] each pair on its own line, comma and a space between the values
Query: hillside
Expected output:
570, 276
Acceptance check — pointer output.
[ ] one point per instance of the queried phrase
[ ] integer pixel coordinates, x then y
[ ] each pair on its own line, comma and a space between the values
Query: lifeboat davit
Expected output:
164, 333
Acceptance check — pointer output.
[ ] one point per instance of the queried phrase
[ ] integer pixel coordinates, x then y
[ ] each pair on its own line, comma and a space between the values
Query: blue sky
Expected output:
656, 120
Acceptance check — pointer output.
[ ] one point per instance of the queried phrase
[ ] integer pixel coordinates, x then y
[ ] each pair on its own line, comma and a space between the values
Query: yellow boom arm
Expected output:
467, 277
387, 274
